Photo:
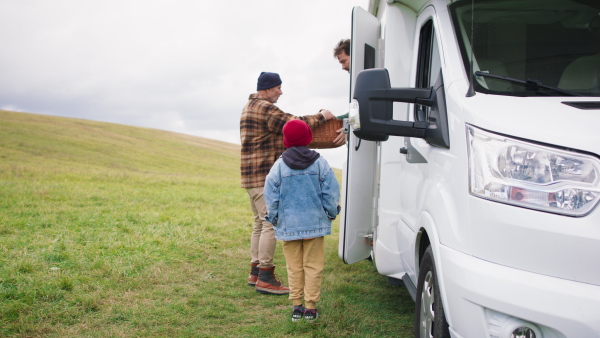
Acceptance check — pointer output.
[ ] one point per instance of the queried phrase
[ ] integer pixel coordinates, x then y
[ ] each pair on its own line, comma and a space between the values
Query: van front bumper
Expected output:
480, 297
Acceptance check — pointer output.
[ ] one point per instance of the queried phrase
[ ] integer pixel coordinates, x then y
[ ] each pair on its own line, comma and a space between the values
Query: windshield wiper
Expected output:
531, 83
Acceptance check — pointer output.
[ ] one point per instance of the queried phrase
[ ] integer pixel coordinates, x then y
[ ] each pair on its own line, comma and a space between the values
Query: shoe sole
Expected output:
297, 315
310, 320
272, 292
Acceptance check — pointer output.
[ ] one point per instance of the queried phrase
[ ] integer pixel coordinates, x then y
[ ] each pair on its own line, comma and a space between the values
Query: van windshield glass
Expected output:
531, 48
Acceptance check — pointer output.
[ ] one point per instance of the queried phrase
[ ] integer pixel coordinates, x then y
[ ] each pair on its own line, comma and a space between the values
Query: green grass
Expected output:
110, 230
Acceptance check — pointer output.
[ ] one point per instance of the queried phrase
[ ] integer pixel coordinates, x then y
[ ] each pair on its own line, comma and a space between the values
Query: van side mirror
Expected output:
375, 98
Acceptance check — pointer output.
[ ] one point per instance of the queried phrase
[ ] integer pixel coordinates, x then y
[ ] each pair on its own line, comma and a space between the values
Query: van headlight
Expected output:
525, 174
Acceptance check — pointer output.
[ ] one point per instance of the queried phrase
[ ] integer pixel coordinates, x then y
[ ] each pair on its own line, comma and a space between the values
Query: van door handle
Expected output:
404, 150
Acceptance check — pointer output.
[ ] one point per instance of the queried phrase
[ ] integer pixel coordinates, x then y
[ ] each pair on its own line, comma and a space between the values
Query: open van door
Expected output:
359, 188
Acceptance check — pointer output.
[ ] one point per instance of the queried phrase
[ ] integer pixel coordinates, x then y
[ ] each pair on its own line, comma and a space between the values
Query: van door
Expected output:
417, 174
359, 185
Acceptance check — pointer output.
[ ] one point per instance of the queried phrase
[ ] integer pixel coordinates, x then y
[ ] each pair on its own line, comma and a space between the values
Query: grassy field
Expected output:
115, 231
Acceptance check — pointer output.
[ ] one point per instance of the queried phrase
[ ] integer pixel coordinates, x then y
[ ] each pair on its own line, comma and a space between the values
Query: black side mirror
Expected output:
375, 98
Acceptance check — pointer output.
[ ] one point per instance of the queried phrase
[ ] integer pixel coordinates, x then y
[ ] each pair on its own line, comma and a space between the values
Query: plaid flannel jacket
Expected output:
262, 140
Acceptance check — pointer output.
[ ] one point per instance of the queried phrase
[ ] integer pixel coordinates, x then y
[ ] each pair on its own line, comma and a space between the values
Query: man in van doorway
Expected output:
261, 136
341, 52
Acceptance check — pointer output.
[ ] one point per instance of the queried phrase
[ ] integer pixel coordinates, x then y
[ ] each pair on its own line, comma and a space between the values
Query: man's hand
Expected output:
327, 114
341, 138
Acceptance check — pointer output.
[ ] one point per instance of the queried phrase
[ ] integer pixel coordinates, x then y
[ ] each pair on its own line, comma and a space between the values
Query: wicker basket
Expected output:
324, 134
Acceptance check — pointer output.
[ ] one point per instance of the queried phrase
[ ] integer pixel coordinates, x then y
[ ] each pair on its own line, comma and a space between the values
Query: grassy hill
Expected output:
111, 230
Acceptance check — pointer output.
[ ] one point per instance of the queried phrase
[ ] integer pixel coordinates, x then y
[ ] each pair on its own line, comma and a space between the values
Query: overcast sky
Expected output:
181, 65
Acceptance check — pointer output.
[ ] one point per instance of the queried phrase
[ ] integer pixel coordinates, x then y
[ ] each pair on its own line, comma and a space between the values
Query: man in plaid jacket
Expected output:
261, 135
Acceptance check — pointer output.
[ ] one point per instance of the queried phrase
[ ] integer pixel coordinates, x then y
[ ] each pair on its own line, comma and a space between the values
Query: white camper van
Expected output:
473, 169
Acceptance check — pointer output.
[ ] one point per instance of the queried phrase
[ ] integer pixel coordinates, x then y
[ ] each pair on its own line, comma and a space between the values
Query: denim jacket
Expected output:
301, 203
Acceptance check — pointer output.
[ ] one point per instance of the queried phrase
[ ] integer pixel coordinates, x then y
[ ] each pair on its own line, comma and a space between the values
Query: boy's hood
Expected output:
299, 158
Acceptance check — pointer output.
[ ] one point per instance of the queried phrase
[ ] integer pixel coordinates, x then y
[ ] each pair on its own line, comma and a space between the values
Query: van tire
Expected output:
430, 320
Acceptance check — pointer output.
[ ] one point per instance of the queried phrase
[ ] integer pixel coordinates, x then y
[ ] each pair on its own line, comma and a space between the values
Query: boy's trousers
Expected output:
305, 259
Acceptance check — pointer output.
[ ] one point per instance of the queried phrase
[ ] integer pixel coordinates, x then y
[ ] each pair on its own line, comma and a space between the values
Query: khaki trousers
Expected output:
262, 241
305, 259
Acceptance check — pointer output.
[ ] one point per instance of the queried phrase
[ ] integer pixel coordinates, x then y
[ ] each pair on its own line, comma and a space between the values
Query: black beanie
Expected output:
268, 80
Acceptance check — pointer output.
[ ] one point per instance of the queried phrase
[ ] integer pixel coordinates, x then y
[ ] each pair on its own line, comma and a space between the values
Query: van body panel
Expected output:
479, 291
539, 119
544, 243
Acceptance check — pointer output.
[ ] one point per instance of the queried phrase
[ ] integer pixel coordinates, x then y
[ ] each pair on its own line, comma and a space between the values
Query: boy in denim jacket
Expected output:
302, 194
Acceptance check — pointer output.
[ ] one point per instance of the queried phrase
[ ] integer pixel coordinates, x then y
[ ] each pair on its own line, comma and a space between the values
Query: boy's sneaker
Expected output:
310, 315
297, 313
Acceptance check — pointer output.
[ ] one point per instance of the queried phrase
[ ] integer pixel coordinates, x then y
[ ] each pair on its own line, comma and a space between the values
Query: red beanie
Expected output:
296, 133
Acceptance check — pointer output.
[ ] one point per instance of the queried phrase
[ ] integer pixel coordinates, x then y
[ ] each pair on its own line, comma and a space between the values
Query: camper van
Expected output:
473, 169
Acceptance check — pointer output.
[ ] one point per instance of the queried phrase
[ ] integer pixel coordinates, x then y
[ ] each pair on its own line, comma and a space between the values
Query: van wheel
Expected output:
430, 320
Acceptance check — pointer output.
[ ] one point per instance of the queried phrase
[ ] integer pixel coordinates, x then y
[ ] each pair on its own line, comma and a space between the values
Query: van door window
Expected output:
429, 65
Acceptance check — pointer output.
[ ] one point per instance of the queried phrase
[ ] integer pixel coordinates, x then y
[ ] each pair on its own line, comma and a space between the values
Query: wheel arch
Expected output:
422, 243
428, 236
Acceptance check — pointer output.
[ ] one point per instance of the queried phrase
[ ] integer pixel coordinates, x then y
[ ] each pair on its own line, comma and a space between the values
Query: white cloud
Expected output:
181, 65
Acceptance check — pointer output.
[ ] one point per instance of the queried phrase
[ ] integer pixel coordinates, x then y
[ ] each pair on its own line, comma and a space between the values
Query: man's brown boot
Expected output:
268, 283
253, 277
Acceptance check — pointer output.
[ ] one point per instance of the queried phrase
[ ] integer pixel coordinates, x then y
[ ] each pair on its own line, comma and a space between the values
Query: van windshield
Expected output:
531, 48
